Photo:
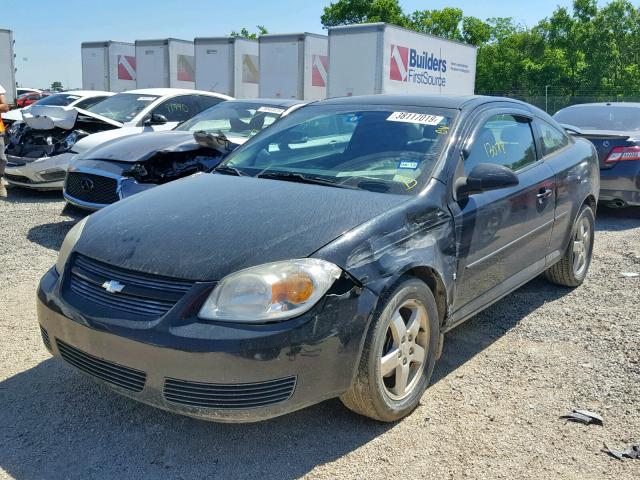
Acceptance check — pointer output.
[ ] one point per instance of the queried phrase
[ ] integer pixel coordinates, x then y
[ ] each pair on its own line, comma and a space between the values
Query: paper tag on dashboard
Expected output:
412, 117
277, 111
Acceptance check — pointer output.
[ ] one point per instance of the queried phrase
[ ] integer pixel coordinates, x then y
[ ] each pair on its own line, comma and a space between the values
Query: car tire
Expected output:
409, 358
572, 268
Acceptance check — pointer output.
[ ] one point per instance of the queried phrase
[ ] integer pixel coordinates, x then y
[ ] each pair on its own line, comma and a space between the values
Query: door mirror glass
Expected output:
156, 119
485, 177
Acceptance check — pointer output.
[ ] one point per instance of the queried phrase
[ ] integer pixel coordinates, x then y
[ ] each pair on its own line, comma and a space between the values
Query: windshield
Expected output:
234, 119
388, 149
58, 99
600, 117
122, 107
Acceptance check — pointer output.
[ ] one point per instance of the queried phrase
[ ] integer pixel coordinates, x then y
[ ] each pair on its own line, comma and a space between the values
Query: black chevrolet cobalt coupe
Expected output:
326, 257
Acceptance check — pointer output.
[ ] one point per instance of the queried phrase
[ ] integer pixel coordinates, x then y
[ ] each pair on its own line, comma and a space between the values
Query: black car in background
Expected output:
129, 165
614, 129
325, 257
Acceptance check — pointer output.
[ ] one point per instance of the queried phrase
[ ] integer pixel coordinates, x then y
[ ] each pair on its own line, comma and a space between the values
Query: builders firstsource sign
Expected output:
380, 58
409, 65
422, 64
428, 68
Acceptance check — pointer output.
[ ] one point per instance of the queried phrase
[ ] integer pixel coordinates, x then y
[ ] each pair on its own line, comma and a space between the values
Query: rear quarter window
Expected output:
551, 138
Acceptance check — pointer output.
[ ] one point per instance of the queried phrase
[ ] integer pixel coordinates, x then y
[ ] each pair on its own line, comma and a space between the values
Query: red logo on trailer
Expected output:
186, 70
320, 67
126, 67
399, 63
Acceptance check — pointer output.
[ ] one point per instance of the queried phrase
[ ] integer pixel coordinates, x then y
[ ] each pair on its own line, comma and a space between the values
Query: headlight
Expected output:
67, 245
13, 129
273, 291
67, 142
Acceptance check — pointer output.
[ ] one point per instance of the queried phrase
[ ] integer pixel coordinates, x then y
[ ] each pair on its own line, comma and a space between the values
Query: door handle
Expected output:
544, 194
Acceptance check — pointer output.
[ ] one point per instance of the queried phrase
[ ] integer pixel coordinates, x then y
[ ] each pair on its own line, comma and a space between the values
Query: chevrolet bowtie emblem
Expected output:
113, 286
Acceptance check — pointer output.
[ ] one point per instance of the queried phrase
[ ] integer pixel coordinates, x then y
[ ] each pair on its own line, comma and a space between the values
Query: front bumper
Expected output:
240, 374
621, 182
46, 173
121, 187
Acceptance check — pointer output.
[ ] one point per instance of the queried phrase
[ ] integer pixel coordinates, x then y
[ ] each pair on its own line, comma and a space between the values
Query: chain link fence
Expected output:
554, 99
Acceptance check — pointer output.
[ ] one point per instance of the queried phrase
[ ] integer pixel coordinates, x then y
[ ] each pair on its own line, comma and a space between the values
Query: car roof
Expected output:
437, 101
274, 102
162, 92
606, 104
86, 93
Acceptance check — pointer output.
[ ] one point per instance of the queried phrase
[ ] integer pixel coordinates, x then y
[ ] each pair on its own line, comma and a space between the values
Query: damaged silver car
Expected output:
48, 133
126, 166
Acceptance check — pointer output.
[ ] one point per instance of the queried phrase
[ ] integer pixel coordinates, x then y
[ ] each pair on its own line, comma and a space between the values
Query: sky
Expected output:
48, 34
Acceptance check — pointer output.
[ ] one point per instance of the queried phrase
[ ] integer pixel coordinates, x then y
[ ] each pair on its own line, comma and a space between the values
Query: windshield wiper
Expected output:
227, 170
299, 178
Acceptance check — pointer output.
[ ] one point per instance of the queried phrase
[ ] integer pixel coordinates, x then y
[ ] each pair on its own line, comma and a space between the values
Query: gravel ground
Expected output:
492, 411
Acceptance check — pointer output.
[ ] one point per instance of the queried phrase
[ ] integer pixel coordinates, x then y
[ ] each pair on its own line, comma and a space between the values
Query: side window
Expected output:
551, 138
205, 101
504, 140
178, 109
88, 102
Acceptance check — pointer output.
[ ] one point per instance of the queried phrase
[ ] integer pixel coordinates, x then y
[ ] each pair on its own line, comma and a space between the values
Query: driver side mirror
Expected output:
155, 119
483, 178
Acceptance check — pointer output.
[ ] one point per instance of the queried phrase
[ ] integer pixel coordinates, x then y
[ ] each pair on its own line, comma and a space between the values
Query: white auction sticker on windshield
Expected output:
146, 99
412, 117
277, 111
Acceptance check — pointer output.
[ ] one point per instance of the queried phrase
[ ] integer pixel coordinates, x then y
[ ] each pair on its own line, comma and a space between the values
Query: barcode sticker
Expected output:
412, 117
277, 111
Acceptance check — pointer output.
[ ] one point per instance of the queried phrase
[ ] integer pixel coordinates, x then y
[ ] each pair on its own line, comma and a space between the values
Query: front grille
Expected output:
91, 188
113, 373
53, 176
142, 294
45, 338
17, 178
225, 396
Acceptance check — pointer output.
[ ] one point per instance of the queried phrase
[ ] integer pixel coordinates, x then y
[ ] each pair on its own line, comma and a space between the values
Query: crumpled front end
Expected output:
40, 148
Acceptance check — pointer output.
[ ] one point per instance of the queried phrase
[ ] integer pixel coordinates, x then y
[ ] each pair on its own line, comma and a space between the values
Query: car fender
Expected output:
416, 237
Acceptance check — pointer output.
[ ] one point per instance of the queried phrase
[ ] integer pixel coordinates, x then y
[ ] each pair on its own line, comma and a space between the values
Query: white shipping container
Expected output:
228, 65
293, 66
7, 65
168, 63
109, 66
379, 58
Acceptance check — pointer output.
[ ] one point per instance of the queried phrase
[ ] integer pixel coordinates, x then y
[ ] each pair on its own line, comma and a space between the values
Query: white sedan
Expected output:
40, 148
74, 98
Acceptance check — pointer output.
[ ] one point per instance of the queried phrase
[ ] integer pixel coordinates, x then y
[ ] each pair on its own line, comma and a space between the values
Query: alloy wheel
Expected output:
581, 246
404, 350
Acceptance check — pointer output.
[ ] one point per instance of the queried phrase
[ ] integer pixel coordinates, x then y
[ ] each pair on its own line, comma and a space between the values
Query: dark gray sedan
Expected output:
129, 165
326, 257
614, 129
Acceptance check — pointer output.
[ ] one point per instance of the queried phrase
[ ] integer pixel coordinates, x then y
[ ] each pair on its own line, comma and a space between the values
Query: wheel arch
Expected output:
431, 277
592, 202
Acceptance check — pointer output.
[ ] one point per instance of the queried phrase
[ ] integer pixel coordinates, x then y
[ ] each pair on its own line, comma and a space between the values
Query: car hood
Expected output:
207, 226
48, 117
87, 143
14, 115
135, 148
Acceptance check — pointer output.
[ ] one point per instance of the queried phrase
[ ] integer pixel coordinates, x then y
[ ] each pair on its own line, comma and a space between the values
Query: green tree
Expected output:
56, 86
345, 12
244, 32
443, 23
